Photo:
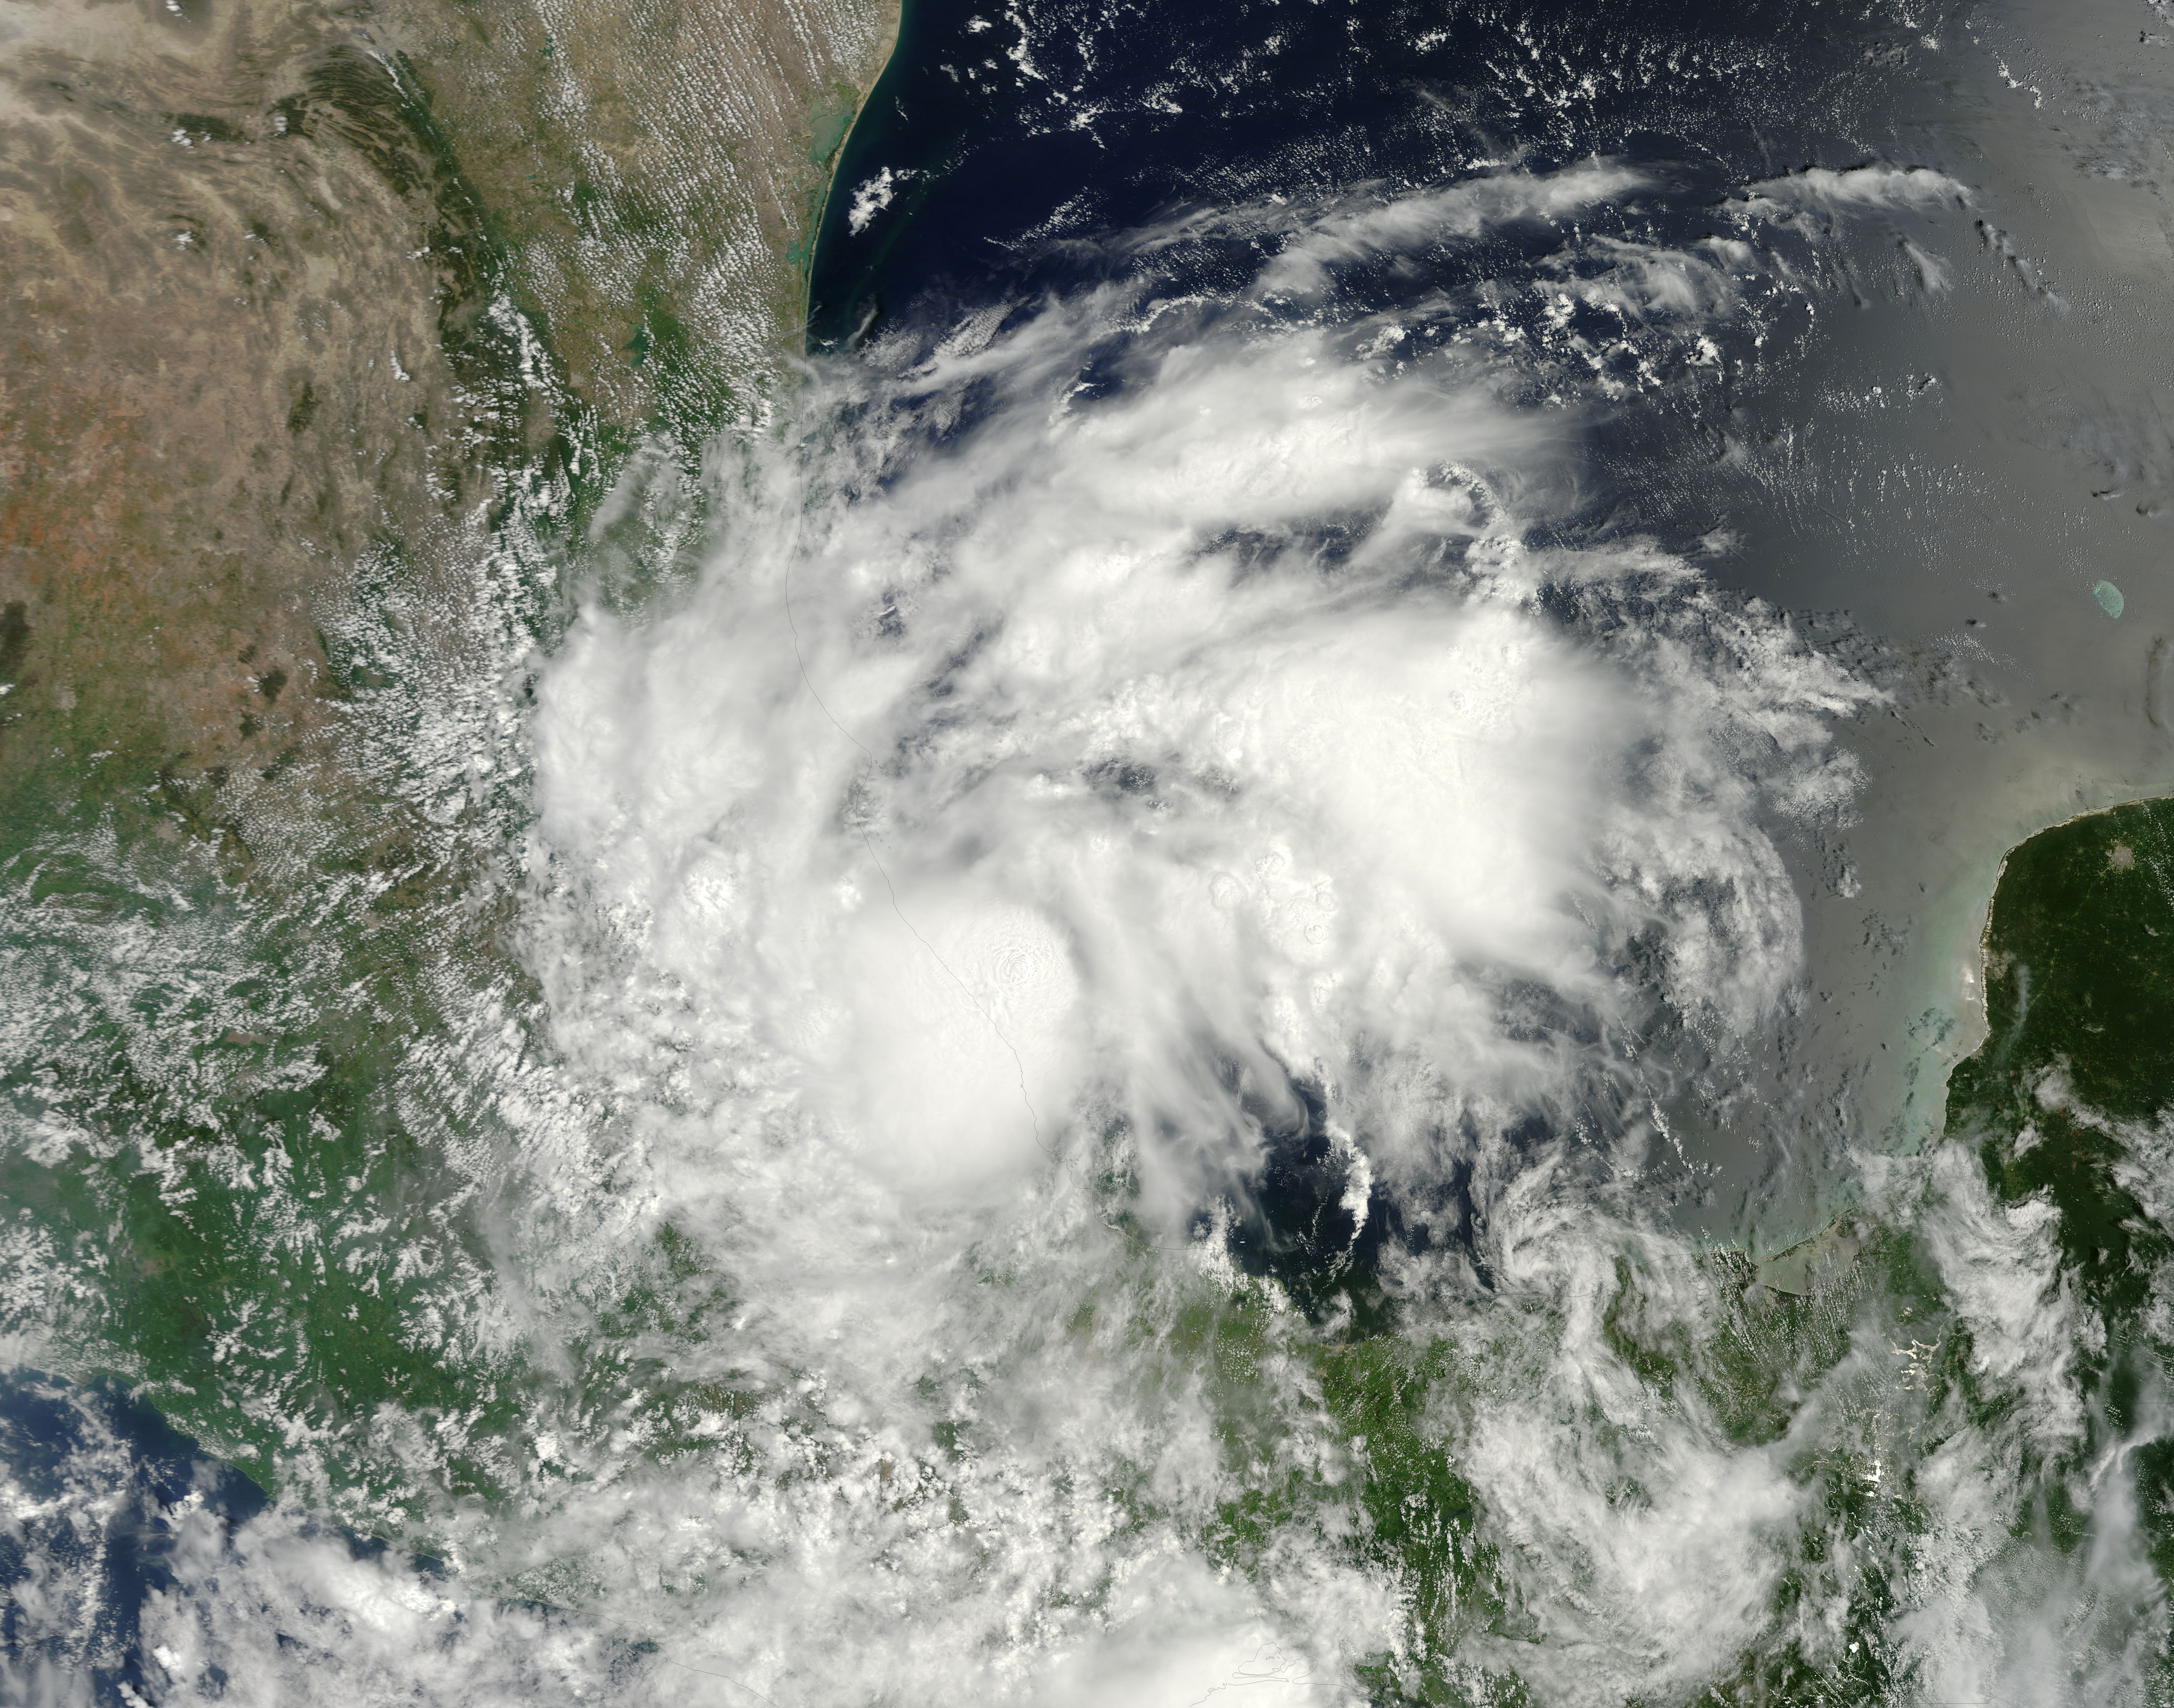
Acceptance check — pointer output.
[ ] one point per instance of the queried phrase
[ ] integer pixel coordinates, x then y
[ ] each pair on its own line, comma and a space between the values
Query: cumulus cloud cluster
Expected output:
1125, 730
1109, 736
1115, 756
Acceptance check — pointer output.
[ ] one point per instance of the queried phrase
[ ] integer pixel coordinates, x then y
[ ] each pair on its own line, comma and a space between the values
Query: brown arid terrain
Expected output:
346, 350
292, 287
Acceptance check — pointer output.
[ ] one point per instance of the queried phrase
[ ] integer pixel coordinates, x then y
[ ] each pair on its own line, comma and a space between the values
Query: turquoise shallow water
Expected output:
1144, 1043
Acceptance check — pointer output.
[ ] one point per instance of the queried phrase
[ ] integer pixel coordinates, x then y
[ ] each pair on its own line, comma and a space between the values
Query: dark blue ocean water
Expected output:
1008, 154
1011, 153
1024, 143
96, 1477
99, 1487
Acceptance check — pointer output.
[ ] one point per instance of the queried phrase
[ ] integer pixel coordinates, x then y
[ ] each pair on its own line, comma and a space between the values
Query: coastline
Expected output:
834, 169
293, 505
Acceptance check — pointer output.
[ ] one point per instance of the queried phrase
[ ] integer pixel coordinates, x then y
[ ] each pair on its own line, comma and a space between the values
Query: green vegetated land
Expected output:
2066, 1099
256, 1012
2067, 1105
342, 376
2079, 1012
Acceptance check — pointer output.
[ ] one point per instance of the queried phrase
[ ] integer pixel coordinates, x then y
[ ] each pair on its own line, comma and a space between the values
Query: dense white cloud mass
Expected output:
1055, 776
1126, 733
1874, 185
1119, 759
